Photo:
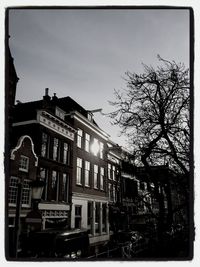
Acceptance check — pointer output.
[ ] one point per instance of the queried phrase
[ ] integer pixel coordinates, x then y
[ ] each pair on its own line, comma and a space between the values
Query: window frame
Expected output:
24, 163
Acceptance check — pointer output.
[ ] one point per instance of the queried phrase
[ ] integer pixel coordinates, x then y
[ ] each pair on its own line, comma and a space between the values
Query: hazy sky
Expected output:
85, 53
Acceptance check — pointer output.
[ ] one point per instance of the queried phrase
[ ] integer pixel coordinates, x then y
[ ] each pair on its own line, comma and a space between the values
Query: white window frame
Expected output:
87, 142
102, 178
79, 164
109, 171
24, 163
114, 173
55, 149
87, 173
101, 147
96, 171
79, 138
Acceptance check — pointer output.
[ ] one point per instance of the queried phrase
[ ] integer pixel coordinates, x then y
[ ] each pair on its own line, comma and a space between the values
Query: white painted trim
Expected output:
53, 206
76, 195
89, 125
24, 122
19, 143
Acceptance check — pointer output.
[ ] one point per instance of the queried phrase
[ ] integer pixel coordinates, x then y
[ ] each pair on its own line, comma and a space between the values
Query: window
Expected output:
97, 217
79, 138
109, 171
65, 153
95, 147
60, 113
12, 196
89, 216
114, 194
65, 187
78, 211
110, 192
87, 173
102, 178
96, 176
54, 185
104, 216
13, 190
44, 148
101, 150
79, 171
55, 149
44, 177
87, 142
26, 198
114, 173
24, 163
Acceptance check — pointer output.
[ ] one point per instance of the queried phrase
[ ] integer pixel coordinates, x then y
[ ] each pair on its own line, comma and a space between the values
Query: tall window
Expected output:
79, 171
55, 149
89, 216
87, 142
44, 148
95, 176
114, 194
54, 185
110, 192
95, 147
24, 163
79, 138
102, 178
26, 198
104, 216
78, 211
109, 171
87, 173
13, 190
12, 196
65, 153
65, 187
114, 172
44, 177
101, 150
97, 217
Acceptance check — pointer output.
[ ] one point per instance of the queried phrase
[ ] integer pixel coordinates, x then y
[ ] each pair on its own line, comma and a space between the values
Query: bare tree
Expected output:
153, 111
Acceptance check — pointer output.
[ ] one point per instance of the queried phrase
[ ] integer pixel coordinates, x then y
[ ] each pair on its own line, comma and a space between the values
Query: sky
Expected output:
85, 53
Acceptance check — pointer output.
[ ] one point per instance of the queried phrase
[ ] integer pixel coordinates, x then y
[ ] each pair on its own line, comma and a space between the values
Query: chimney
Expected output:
46, 97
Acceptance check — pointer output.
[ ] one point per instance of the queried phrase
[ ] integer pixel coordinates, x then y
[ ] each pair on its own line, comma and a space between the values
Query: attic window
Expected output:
89, 116
60, 113
24, 163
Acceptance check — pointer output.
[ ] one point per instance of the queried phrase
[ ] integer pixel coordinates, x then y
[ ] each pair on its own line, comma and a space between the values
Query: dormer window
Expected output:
90, 116
60, 113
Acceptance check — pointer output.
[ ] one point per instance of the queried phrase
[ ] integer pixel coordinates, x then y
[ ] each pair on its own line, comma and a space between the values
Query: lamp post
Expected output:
37, 189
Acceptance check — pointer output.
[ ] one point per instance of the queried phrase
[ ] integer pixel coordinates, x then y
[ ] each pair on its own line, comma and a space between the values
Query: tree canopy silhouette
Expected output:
153, 111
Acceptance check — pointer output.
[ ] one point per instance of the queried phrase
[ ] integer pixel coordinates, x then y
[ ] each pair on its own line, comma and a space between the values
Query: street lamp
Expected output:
37, 189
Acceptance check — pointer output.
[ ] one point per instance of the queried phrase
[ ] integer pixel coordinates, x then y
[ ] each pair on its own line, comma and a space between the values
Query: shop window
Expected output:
65, 187
89, 216
104, 216
78, 211
24, 163
79, 171
97, 217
